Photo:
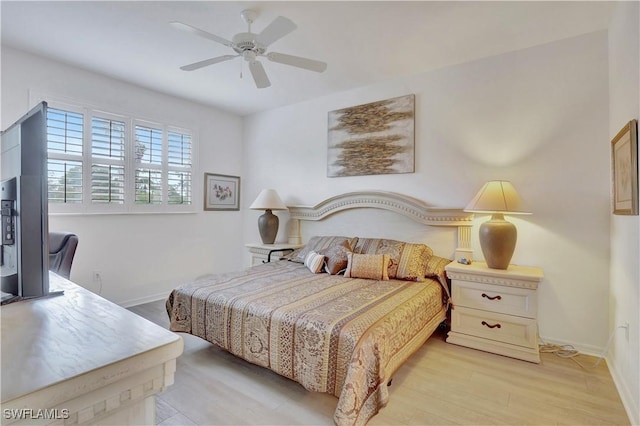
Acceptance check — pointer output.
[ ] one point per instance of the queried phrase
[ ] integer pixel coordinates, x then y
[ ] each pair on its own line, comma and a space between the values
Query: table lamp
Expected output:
268, 200
497, 236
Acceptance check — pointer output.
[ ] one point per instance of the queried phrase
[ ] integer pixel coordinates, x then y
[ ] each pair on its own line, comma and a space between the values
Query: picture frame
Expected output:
221, 192
372, 139
624, 168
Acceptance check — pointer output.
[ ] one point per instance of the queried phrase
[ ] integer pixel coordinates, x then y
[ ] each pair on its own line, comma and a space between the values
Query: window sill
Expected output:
122, 213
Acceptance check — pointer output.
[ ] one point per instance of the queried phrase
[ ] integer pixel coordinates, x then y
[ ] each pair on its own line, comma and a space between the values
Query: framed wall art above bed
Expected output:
372, 139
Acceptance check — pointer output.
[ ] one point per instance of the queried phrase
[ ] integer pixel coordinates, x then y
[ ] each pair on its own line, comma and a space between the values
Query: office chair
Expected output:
62, 248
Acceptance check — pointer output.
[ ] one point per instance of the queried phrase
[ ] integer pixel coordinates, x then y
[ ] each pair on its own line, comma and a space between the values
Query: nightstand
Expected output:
263, 253
495, 310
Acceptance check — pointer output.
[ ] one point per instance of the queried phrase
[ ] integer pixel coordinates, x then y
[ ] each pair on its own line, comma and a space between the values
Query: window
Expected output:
179, 165
65, 181
107, 161
101, 162
65, 147
148, 156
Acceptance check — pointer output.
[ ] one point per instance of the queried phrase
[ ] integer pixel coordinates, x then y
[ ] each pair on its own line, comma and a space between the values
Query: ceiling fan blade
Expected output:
259, 75
193, 30
297, 61
207, 62
279, 28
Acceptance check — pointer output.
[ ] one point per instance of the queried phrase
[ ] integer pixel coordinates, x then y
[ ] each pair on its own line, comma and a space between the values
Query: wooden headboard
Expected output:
403, 205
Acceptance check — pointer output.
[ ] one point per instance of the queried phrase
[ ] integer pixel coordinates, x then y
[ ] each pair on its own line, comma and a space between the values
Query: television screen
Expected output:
24, 255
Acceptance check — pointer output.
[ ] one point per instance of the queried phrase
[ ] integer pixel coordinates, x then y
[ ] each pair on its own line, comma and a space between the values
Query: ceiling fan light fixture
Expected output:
247, 41
250, 46
249, 55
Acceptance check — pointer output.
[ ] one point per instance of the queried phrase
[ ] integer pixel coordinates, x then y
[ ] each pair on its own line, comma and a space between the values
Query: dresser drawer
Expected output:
495, 298
494, 326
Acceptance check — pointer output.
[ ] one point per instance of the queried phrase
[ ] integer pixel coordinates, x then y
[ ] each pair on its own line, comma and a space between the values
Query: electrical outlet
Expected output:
97, 276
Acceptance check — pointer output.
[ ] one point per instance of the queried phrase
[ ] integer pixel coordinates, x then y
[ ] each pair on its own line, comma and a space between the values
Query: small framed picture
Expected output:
624, 159
221, 192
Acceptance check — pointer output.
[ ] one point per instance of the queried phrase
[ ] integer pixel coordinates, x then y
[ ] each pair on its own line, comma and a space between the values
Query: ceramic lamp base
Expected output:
268, 227
498, 241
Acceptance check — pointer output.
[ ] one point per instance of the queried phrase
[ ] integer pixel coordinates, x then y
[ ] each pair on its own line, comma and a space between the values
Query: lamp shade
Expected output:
497, 236
497, 196
268, 199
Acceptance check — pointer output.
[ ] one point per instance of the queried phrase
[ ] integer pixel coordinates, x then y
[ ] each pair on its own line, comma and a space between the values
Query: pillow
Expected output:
408, 260
293, 256
370, 266
336, 257
319, 243
314, 261
435, 269
413, 261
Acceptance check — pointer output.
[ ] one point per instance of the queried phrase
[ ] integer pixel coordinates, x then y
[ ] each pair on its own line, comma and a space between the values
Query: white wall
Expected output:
540, 117
537, 117
140, 257
624, 296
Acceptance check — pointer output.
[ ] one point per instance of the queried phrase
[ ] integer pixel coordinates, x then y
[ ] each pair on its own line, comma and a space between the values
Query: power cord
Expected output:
568, 351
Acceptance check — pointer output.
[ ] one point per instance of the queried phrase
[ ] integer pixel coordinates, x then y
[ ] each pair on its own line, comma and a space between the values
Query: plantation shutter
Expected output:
107, 156
64, 151
179, 151
148, 156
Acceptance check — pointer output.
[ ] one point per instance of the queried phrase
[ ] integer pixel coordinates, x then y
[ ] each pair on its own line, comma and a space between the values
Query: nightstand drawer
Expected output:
495, 298
494, 326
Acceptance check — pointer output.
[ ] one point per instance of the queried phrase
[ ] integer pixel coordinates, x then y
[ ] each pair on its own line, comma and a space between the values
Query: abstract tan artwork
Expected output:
372, 139
624, 154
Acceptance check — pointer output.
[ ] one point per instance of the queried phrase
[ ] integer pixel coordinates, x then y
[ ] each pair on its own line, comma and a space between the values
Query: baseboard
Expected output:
580, 347
145, 299
630, 405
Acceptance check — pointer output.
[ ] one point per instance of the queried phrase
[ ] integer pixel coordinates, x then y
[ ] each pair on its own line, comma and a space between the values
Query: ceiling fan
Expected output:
250, 46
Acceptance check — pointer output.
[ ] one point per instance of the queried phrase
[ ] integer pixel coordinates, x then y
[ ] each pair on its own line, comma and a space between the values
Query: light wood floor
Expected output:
441, 384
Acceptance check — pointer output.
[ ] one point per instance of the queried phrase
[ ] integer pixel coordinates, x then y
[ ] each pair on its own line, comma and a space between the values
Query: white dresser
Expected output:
77, 358
495, 310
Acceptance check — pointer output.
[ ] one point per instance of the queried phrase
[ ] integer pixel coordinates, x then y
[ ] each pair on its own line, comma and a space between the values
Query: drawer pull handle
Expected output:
498, 297
491, 326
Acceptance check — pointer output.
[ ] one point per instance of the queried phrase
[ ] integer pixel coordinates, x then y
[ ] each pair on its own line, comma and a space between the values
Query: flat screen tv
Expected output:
24, 255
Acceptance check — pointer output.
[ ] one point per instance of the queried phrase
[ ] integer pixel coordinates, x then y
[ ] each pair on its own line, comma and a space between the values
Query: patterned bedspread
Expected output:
343, 336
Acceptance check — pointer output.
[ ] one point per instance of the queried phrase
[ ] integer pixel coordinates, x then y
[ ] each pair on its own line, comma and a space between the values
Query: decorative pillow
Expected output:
336, 257
319, 243
435, 269
371, 266
293, 256
314, 262
408, 260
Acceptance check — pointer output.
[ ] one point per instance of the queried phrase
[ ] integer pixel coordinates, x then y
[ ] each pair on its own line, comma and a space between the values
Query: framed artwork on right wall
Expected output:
624, 167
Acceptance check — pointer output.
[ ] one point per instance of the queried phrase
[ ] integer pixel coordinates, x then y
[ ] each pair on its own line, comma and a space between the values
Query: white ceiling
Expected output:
363, 42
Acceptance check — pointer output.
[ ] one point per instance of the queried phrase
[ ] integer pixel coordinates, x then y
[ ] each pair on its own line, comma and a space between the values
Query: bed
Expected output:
344, 333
